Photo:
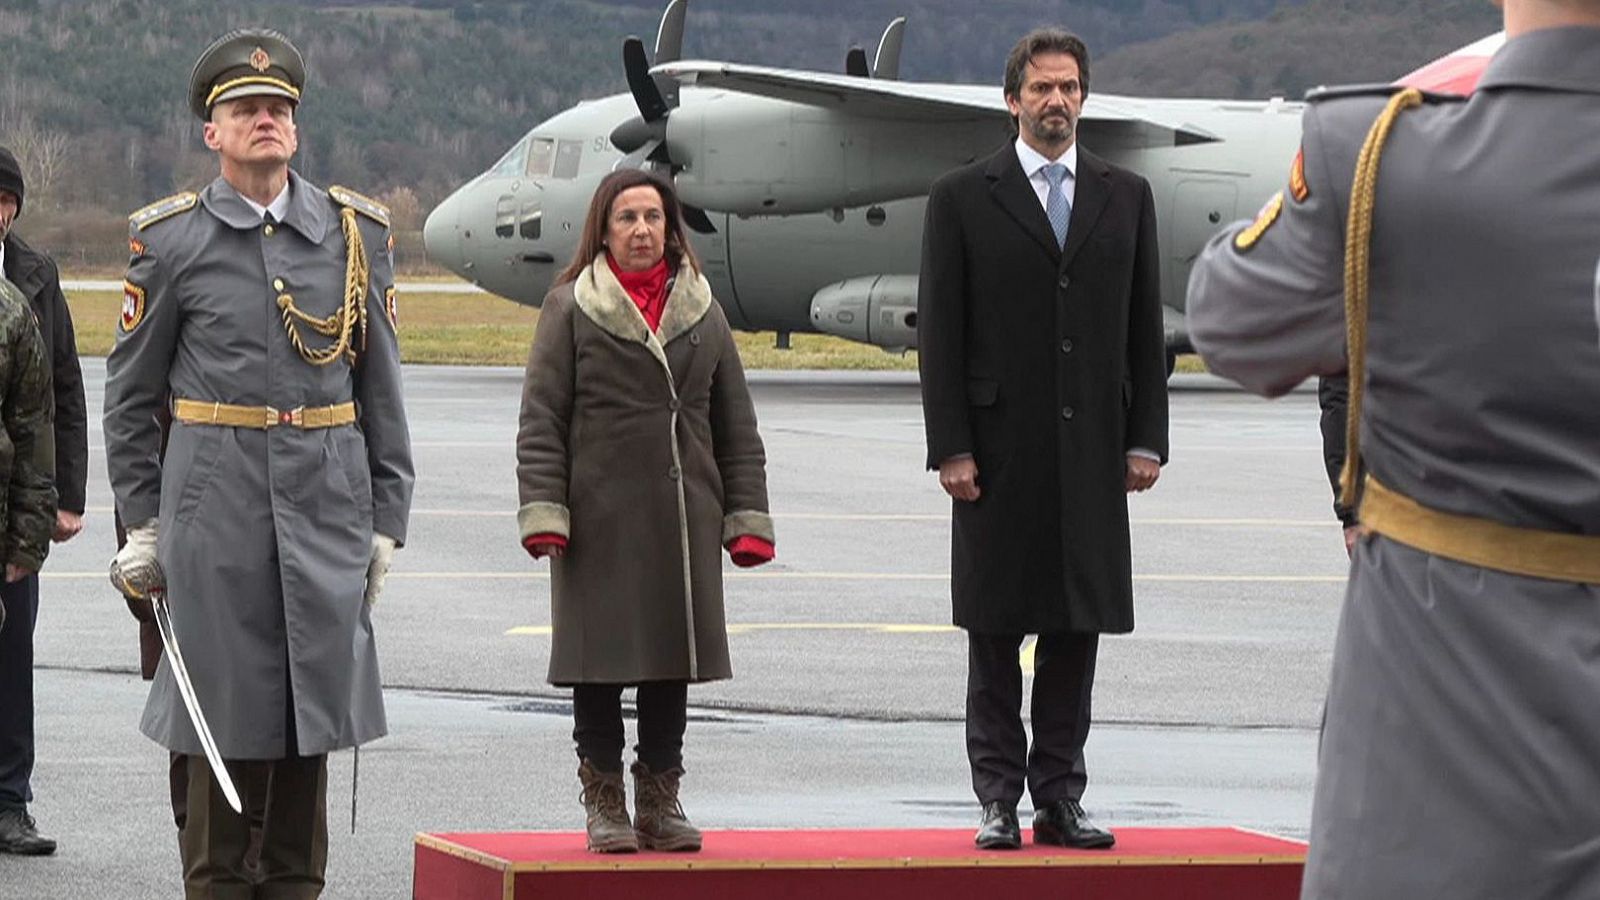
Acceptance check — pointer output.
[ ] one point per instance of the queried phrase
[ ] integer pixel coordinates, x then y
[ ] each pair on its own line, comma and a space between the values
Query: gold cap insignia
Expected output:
259, 60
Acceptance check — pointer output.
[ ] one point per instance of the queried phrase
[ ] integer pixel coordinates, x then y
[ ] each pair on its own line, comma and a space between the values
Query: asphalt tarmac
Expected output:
847, 698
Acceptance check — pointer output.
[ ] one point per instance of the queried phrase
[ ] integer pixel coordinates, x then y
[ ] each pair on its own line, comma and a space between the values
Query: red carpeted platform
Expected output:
1147, 864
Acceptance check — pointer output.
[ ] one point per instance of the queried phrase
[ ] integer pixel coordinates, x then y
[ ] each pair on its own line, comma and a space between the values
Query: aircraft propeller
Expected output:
644, 137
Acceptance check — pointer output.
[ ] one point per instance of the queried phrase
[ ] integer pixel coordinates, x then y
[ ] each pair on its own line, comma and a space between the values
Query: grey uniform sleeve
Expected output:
137, 373
380, 400
1271, 314
31, 492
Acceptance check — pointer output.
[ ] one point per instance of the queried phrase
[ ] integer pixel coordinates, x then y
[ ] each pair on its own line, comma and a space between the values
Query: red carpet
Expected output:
1147, 864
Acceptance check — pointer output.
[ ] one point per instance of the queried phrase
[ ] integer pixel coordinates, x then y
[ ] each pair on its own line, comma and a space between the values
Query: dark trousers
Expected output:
294, 836
997, 745
663, 710
21, 599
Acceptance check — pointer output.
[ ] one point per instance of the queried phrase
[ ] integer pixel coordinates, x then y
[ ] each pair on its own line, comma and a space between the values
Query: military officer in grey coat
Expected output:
262, 310
1460, 754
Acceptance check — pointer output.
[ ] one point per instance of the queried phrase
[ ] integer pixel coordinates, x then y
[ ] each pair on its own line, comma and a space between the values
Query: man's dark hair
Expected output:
1041, 41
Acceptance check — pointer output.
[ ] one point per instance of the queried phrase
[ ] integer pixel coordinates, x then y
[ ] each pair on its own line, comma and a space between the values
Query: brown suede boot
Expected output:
607, 805
658, 819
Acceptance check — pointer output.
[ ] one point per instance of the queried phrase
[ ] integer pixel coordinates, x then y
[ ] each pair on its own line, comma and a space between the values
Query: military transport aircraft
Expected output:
807, 188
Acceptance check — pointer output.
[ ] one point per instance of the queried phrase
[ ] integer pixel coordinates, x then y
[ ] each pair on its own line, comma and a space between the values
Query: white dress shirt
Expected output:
1033, 163
278, 206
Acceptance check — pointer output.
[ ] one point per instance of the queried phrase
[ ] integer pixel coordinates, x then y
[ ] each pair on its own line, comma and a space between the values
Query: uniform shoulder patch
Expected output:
391, 308
1298, 188
1264, 219
132, 306
365, 205
164, 208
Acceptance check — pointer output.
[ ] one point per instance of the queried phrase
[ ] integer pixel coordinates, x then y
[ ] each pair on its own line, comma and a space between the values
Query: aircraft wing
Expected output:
1120, 118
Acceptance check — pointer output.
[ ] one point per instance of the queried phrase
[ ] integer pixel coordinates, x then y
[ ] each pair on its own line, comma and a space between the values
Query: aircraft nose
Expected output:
441, 235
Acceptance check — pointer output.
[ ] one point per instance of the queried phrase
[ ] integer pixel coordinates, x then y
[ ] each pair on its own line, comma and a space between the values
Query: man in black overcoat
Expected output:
1044, 393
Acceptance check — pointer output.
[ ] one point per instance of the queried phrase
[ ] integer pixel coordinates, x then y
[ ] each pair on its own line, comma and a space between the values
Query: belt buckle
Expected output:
295, 417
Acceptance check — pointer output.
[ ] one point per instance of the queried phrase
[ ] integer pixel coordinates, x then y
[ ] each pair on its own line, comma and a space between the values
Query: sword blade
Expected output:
191, 703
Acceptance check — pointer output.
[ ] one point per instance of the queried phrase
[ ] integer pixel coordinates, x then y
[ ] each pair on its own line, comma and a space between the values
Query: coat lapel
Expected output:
1089, 200
1009, 186
603, 299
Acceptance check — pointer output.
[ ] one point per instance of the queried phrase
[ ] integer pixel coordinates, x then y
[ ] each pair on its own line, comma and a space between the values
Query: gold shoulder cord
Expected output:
352, 313
1357, 272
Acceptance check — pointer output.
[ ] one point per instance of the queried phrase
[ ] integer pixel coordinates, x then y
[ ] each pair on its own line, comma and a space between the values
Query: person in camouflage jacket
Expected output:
27, 446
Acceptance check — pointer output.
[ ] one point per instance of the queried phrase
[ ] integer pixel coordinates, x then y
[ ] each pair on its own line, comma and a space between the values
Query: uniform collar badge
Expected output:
259, 60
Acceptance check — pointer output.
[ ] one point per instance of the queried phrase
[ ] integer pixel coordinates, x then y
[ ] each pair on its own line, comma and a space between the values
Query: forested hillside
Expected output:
407, 100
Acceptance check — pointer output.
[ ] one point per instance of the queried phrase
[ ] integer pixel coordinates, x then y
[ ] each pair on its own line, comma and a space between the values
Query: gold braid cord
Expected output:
1357, 271
352, 313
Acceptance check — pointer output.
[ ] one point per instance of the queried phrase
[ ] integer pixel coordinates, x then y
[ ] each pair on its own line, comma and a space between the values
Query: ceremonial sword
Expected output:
157, 596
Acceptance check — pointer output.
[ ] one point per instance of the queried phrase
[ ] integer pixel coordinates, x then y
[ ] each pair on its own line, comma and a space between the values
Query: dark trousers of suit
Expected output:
997, 744
663, 708
21, 599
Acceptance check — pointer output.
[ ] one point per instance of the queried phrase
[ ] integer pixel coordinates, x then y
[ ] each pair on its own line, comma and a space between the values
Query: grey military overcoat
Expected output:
1460, 755
265, 535
641, 448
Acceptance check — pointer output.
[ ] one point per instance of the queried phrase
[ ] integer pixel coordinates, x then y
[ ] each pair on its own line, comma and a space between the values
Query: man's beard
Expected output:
1048, 131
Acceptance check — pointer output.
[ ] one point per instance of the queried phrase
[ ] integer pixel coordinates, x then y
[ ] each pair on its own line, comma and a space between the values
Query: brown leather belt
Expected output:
199, 412
1556, 555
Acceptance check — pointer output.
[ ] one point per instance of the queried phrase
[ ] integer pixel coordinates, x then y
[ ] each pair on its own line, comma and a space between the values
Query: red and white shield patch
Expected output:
132, 306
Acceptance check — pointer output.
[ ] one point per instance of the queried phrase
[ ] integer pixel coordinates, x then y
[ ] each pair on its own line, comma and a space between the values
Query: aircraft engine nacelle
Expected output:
878, 309
753, 156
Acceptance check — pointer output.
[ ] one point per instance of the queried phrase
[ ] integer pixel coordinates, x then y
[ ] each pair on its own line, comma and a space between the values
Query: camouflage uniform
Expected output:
28, 447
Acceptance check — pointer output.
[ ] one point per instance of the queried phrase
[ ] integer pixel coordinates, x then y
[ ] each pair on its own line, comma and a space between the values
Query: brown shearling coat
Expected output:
641, 449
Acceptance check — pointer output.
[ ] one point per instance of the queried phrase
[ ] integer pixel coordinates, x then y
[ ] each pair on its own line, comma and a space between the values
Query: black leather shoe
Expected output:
1065, 824
19, 836
1000, 829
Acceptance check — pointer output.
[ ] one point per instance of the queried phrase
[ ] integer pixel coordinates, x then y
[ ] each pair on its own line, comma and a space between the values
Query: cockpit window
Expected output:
505, 216
511, 164
541, 157
528, 222
568, 155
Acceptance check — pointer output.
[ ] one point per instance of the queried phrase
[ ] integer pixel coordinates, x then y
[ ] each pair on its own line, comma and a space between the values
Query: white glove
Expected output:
135, 570
378, 569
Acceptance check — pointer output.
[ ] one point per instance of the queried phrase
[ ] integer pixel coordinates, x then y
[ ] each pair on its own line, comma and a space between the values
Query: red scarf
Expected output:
648, 289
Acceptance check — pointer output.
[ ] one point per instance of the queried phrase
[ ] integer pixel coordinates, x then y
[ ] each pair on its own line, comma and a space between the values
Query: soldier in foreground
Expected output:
263, 307
1459, 750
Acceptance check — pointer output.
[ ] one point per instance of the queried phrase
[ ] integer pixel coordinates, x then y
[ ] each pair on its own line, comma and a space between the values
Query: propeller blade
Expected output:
855, 63
697, 220
887, 63
669, 48
652, 106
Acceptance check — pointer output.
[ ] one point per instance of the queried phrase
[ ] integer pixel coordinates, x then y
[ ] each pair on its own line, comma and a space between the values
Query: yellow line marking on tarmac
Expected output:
939, 577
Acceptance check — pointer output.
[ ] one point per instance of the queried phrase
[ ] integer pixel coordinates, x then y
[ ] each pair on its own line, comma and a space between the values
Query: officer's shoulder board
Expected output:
361, 203
163, 209
1344, 91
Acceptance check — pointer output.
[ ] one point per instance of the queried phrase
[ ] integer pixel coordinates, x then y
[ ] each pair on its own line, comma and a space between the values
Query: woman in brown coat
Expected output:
638, 460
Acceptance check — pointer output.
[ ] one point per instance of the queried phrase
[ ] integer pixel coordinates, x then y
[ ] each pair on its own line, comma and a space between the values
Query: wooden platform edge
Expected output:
507, 870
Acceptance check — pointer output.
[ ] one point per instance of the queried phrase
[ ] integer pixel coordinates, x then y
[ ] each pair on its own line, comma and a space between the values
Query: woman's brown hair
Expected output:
679, 251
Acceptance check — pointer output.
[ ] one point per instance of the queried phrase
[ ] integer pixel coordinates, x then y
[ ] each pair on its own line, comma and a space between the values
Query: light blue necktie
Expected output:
1056, 207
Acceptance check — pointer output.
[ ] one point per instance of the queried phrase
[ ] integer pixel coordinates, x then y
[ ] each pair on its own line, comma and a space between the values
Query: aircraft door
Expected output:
1200, 208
